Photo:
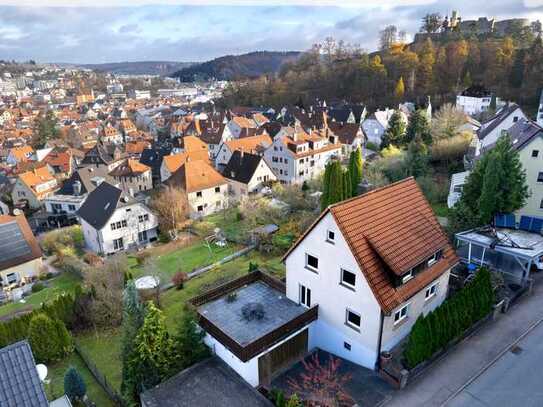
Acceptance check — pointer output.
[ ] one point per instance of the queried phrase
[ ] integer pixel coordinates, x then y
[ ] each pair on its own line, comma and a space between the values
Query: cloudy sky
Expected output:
97, 31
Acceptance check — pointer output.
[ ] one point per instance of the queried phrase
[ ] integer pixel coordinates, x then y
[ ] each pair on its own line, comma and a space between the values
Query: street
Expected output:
513, 380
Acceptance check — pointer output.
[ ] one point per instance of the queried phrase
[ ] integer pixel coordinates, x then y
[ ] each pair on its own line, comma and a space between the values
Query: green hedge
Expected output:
432, 332
62, 308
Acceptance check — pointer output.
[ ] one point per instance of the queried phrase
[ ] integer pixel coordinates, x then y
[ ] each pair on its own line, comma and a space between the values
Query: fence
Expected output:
100, 378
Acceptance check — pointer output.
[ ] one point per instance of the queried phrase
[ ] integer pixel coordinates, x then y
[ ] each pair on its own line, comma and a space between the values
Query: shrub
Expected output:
434, 190
372, 146
163, 238
179, 279
74, 385
142, 256
432, 332
72, 264
253, 267
92, 259
49, 339
36, 287
450, 149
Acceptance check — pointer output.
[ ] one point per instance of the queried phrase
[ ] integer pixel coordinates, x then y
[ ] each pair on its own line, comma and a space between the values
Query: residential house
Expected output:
456, 186
373, 264
61, 160
475, 100
375, 125
20, 155
20, 253
103, 155
206, 188
128, 128
254, 145
110, 135
171, 163
299, 157
153, 157
539, 117
20, 385
32, 187
247, 173
134, 149
113, 221
493, 128
350, 135
235, 127
133, 176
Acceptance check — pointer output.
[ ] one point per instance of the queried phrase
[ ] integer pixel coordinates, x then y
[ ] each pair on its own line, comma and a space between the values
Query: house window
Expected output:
347, 345
146, 216
113, 226
311, 262
433, 259
535, 153
142, 236
118, 244
305, 296
124, 223
515, 119
347, 278
407, 276
430, 291
200, 208
541, 204
330, 236
118, 225
352, 319
540, 177
11, 278
217, 189
71, 207
199, 194
401, 314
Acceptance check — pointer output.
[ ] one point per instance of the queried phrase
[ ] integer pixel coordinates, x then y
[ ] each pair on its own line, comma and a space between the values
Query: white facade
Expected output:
135, 224
455, 190
263, 173
332, 332
139, 94
208, 201
539, 118
68, 204
505, 124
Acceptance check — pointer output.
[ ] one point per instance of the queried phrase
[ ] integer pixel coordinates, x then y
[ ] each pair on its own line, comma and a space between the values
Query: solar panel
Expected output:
536, 225
525, 223
12, 242
499, 221
510, 221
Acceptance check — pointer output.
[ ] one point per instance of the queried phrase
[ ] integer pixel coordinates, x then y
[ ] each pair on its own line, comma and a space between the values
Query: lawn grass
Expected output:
440, 209
104, 348
66, 282
187, 259
55, 388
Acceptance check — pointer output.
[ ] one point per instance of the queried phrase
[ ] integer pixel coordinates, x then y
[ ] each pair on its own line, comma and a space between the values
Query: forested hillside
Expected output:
511, 66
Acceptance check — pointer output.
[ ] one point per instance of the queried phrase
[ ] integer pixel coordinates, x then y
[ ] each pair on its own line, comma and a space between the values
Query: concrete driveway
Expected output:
513, 380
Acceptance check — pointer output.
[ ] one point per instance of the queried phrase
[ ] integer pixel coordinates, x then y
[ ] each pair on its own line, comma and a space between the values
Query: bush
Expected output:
372, 146
36, 287
432, 332
72, 264
179, 279
92, 259
434, 190
142, 256
450, 149
49, 339
74, 385
163, 238
253, 267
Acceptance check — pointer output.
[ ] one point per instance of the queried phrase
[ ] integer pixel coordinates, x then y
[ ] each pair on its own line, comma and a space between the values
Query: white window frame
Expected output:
303, 298
343, 282
407, 276
432, 260
309, 267
349, 323
429, 294
399, 314
328, 239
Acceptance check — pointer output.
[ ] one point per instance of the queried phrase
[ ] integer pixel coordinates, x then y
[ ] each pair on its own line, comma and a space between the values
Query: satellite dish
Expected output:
17, 212
42, 371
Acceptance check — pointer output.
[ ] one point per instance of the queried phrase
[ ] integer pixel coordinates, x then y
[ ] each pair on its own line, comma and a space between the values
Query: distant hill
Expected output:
230, 67
163, 68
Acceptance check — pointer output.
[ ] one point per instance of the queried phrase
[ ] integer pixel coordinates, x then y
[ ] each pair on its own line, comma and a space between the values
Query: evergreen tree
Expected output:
326, 186
394, 132
189, 341
417, 158
153, 354
347, 185
74, 385
333, 184
418, 126
49, 339
355, 169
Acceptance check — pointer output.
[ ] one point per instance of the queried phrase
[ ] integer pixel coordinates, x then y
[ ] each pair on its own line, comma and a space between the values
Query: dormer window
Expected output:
432, 259
407, 276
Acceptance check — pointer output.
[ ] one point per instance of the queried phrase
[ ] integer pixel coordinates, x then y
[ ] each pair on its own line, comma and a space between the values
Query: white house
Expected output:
539, 118
247, 173
376, 124
373, 264
299, 157
455, 190
253, 144
503, 120
475, 100
113, 221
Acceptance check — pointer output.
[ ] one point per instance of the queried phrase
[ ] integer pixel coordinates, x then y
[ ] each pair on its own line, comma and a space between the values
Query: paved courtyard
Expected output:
365, 386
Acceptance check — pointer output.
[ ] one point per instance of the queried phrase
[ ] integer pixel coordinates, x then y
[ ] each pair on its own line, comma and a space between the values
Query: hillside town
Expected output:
160, 246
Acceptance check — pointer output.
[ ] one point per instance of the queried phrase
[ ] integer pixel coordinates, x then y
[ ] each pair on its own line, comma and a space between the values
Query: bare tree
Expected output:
431, 23
388, 36
171, 206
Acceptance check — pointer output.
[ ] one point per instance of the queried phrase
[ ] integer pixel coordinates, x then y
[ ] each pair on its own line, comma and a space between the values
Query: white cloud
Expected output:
134, 3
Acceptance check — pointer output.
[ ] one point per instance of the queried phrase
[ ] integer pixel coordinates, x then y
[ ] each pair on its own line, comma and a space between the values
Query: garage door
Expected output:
281, 357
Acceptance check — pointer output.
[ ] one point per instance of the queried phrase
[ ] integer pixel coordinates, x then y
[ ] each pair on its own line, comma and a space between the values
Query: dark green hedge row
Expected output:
63, 308
432, 332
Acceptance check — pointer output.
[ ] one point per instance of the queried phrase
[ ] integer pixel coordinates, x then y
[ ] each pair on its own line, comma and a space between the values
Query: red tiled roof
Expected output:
392, 228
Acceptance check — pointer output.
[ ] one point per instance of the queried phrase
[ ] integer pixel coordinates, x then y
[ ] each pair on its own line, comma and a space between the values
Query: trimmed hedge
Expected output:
63, 308
451, 319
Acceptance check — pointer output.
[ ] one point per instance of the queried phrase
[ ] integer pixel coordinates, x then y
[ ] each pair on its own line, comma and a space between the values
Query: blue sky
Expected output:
110, 31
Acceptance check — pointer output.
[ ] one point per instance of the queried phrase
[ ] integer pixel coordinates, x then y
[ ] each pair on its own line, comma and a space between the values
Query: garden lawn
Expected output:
188, 258
64, 283
104, 349
55, 388
440, 209
229, 224
172, 301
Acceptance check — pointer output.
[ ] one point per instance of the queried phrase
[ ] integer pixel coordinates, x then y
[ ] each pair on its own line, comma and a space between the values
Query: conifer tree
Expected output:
74, 385
326, 186
347, 185
394, 132
418, 126
355, 168
189, 341
399, 90
49, 339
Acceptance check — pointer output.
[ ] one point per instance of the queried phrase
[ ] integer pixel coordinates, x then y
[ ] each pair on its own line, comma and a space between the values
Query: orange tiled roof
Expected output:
61, 159
249, 144
137, 147
193, 144
244, 122
36, 177
21, 153
197, 175
129, 168
175, 161
392, 228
